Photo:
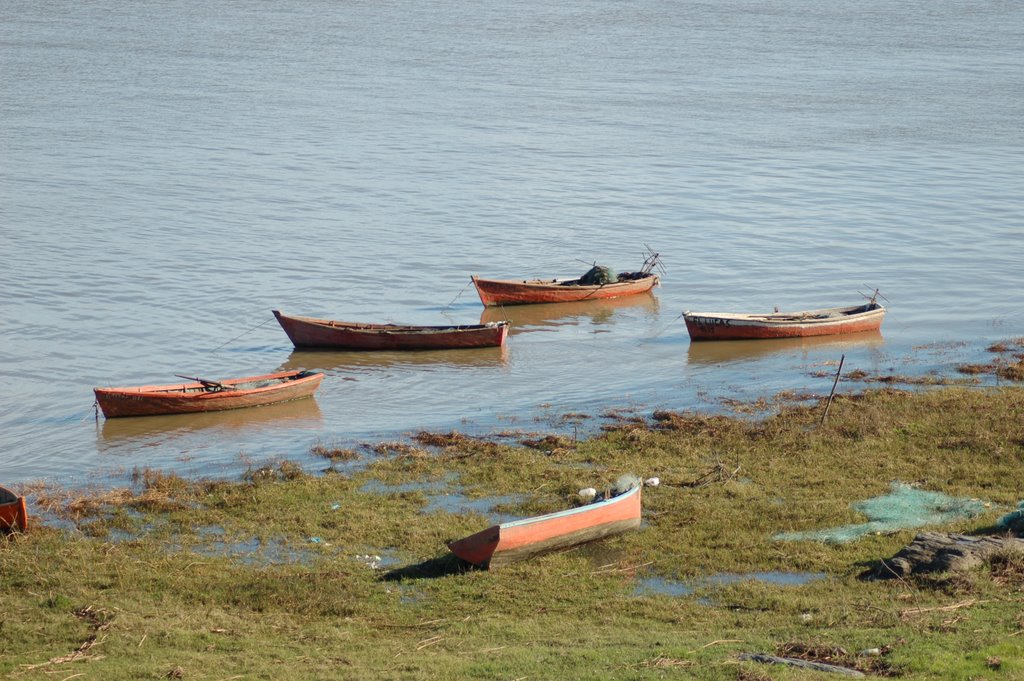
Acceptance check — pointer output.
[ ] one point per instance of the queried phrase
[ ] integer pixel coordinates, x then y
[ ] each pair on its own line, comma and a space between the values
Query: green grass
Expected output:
264, 578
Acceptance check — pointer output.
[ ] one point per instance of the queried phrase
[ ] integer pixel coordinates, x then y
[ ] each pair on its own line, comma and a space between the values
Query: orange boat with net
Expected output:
597, 284
13, 512
506, 543
528, 291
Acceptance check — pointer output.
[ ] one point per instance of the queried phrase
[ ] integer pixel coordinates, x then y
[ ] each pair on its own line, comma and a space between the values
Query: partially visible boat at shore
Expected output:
312, 333
509, 542
202, 395
13, 512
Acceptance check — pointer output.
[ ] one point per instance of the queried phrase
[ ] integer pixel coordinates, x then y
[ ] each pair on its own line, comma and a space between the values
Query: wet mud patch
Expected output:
441, 440
550, 444
898, 379
1007, 365
333, 453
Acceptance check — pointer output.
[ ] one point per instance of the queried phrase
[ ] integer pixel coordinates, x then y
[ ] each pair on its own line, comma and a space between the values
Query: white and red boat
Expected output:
825, 322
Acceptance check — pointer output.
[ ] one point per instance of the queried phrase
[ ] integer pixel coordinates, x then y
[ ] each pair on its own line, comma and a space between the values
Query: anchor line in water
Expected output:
457, 297
263, 323
663, 330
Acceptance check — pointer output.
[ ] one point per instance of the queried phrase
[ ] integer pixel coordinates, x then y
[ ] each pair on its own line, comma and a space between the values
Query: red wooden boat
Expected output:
501, 544
528, 291
307, 332
826, 322
203, 395
13, 511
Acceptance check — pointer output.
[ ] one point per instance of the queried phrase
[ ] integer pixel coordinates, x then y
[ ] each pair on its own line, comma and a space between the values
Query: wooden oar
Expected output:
207, 383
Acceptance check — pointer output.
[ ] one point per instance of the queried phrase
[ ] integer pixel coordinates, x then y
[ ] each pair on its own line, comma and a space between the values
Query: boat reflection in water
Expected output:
550, 316
725, 351
295, 414
331, 361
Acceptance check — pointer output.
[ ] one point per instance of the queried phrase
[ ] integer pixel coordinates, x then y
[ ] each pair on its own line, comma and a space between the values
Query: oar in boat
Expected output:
208, 383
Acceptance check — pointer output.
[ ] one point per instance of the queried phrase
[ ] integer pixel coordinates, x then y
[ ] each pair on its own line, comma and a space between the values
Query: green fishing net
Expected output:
598, 276
905, 507
1013, 521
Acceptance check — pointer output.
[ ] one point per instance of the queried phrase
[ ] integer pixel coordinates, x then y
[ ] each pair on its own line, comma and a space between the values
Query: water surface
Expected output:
170, 172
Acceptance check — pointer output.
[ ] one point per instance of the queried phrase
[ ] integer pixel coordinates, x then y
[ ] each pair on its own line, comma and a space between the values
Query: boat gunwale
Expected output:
393, 329
838, 315
178, 390
557, 284
7, 496
604, 503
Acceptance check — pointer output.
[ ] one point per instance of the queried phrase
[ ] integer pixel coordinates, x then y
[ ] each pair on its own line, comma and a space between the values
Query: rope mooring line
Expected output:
664, 329
458, 296
264, 323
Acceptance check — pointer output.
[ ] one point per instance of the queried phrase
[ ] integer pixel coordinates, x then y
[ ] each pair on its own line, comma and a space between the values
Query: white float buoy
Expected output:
587, 493
652, 482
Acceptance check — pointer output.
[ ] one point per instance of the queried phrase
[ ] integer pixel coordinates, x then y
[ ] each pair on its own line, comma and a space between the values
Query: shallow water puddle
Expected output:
460, 503
378, 487
378, 561
254, 551
439, 498
650, 586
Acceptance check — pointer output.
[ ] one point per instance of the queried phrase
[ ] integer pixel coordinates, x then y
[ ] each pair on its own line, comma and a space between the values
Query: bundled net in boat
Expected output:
905, 507
598, 275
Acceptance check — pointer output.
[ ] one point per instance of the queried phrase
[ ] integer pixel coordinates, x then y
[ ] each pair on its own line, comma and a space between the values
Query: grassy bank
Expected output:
278, 575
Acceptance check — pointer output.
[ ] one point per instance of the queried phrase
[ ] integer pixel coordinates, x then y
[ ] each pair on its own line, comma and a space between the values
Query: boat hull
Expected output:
520, 292
827, 322
13, 512
506, 543
309, 333
187, 398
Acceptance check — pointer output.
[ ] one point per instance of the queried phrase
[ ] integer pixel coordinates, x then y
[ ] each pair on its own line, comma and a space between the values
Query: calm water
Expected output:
170, 172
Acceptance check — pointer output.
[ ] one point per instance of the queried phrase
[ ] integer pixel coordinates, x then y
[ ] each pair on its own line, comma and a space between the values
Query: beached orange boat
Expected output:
826, 322
13, 511
205, 395
501, 544
308, 332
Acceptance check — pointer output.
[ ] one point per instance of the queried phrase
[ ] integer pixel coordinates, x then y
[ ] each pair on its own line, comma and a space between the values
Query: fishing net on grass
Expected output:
905, 507
1013, 521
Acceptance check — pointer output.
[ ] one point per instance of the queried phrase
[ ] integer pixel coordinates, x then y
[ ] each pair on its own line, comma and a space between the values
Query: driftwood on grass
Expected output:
717, 473
944, 552
797, 662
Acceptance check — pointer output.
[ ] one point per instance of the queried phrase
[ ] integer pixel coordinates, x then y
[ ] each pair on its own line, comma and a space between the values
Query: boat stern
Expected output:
477, 548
